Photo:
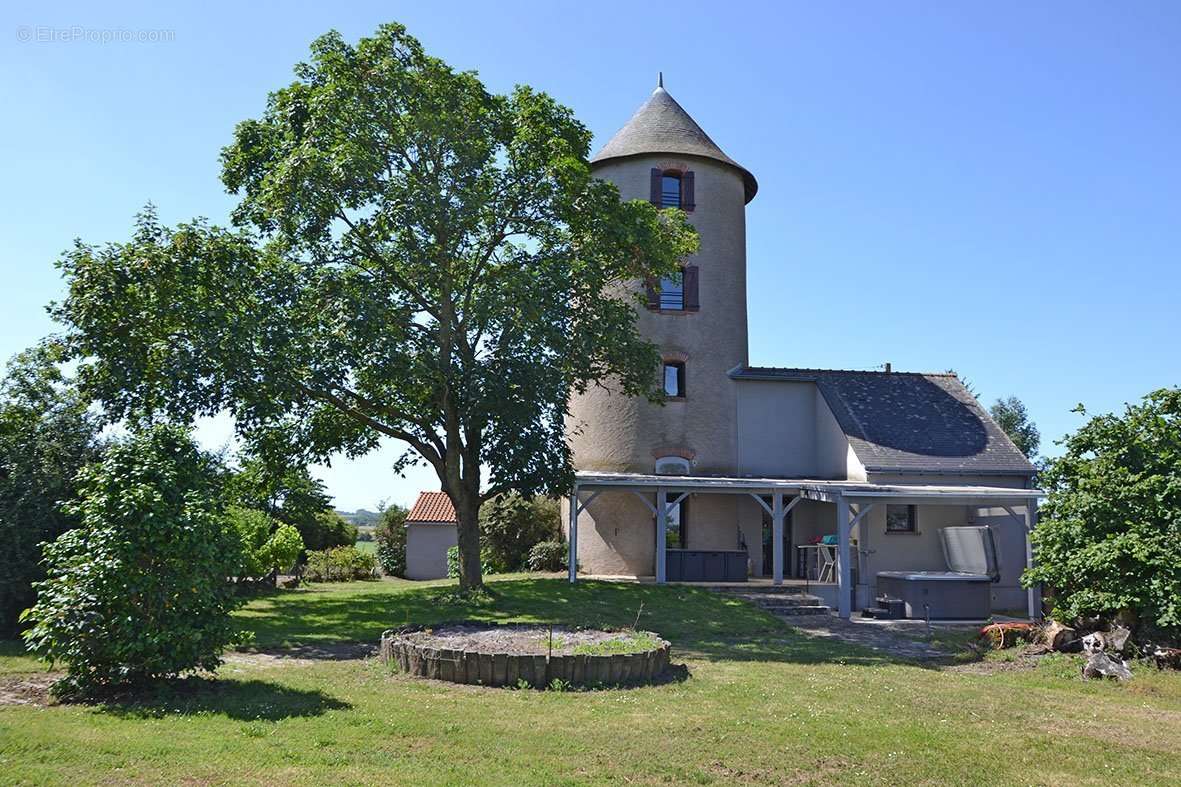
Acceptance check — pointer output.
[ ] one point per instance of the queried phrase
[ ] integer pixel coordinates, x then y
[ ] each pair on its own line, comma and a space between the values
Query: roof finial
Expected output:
659, 79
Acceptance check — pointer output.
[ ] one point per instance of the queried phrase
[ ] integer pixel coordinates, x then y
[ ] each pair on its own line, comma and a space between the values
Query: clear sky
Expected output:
990, 187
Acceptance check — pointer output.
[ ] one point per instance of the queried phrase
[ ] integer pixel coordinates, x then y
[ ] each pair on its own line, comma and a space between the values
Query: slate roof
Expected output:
432, 508
909, 422
661, 125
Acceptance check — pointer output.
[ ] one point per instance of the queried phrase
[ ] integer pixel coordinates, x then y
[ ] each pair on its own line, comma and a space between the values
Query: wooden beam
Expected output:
572, 558
661, 535
583, 504
777, 538
844, 570
644, 500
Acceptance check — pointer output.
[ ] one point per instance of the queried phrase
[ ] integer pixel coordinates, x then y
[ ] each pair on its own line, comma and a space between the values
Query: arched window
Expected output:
670, 190
672, 465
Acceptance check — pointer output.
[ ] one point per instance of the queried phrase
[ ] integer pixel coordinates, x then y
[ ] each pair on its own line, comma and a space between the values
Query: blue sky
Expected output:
989, 187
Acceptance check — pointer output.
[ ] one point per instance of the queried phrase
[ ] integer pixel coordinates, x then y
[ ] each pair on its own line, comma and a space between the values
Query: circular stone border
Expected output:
510, 669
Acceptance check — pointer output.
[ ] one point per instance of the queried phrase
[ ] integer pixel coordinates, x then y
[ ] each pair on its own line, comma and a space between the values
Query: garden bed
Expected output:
527, 655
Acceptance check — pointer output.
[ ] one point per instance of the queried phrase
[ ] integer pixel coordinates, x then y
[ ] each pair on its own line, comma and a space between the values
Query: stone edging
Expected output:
507, 669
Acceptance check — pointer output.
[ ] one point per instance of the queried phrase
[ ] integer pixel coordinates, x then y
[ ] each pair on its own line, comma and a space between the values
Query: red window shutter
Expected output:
653, 295
692, 300
687, 203
654, 191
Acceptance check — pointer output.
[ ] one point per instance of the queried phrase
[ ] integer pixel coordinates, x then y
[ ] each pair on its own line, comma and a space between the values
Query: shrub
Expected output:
487, 565
339, 564
510, 525
268, 547
1109, 538
139, 589
46, 437
326, 530
289, 493
548, 556
390, 535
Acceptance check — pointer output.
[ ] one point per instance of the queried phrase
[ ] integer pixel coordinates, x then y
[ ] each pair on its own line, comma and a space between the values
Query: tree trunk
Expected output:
467, 512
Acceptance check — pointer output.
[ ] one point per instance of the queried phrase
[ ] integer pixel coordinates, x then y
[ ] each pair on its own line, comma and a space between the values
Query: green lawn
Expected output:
762, 705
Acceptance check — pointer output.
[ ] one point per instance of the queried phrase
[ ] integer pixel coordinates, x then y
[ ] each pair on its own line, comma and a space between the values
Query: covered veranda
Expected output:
852, 501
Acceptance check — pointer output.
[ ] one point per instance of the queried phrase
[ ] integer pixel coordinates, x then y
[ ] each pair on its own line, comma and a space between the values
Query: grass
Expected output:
763, 704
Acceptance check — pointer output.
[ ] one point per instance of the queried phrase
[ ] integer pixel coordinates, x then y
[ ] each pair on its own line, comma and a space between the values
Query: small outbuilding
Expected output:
431, 529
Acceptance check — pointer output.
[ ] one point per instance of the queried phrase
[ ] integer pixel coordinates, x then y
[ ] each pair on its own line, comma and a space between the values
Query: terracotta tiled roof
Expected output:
432, 507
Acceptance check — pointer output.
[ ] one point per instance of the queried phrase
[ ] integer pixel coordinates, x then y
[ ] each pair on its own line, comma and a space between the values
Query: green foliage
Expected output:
287, 492
549, 556
46, 438
330, 530
511, 525
1109, 536
340, 564
487, 564
268, 547
1012, 417
139, 589
424, 260
390, 535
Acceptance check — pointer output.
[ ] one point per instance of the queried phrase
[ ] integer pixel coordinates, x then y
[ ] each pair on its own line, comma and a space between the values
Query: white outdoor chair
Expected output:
826, 560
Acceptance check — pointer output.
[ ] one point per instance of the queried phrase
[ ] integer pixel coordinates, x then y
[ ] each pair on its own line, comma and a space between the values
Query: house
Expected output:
744, 466
431, 529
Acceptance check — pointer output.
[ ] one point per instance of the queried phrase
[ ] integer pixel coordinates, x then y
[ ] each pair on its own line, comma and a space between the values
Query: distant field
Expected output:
367, 546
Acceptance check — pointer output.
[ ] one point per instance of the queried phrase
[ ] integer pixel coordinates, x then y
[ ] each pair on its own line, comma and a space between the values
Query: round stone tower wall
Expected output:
612, 432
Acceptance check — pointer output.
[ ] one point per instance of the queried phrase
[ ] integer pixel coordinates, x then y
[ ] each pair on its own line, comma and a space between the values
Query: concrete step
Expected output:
809, 609
762, 589
783, 600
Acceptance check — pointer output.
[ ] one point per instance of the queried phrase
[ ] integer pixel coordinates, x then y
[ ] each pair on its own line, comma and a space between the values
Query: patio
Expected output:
850, 502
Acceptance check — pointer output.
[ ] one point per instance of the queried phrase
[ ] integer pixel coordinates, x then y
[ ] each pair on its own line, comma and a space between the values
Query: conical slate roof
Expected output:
661, 125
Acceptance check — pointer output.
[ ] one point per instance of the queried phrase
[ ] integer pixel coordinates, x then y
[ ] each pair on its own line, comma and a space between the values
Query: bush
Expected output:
487, 565
288, 493
548, 556
510, 526
267, 546
46, 437
1109, 537
390, 535
340, 564
326, 530
139, 590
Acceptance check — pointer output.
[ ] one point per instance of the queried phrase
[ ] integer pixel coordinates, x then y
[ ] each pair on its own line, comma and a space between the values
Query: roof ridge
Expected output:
813, 370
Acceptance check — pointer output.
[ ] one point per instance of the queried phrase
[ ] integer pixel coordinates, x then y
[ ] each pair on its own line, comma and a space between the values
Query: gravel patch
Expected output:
520, 640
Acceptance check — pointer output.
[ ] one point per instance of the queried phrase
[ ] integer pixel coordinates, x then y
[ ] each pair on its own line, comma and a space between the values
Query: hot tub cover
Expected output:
937, 576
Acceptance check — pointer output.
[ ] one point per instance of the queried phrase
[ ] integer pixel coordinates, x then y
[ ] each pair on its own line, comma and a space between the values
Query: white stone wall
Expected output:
426, 549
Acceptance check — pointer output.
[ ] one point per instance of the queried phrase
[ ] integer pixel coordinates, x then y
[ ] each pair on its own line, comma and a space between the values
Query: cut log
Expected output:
1101, 665
1117, 638
1056, 636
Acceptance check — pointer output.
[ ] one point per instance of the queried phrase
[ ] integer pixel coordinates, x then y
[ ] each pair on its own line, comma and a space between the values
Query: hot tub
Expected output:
946, 595
964, 592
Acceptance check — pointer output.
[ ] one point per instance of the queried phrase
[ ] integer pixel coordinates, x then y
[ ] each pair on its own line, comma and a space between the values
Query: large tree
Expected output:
47, 436
417, 259
1109, 535
1012, 416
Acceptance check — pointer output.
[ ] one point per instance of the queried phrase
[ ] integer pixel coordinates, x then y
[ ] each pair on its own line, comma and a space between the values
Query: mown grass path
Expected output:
762, 705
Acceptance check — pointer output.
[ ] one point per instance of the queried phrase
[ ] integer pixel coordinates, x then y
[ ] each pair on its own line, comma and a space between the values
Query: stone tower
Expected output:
699, 324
